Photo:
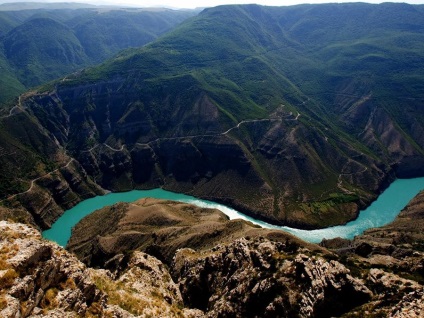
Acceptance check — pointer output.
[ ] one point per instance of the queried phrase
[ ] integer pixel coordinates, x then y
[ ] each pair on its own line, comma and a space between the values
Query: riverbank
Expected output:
380, 212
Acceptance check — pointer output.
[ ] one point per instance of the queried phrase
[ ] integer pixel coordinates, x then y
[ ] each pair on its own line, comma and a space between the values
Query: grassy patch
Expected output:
8, 278
118, 294
333, 200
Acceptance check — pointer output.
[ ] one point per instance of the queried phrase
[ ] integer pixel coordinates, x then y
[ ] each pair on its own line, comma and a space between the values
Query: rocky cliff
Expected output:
252, 277
260, 278
40, 279
260, 166
395, 252
397, 246
36, 172
232, 268
241, 105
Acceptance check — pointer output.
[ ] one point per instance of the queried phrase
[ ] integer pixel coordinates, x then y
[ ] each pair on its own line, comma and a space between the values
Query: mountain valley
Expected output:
297, 115
184, 114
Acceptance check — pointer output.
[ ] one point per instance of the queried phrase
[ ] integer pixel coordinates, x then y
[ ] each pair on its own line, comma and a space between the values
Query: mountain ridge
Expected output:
207, 110
39, 50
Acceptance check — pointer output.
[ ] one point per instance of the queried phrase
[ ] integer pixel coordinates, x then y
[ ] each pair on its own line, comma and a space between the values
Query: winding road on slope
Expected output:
14, 108
38, 178
194, 136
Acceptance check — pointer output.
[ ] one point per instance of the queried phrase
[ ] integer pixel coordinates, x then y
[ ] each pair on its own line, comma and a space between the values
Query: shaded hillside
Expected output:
43, 44
242, 105
11, 87
37, 171
103, 34
42, 49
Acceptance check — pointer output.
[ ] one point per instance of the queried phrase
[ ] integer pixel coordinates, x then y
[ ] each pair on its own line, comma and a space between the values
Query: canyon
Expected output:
297, 116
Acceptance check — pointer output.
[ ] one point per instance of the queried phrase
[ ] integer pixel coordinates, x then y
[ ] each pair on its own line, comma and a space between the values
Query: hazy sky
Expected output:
205, 3
210, 3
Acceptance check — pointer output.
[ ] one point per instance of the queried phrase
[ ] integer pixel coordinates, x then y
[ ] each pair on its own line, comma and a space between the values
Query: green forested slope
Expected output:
41, 49
307, 49
298, 115
43, 44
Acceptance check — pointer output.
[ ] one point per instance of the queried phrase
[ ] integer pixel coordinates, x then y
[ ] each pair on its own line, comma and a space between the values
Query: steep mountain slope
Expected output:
11, 19
11, 87
103, 34
34, 165
297, 115
43, 44
42, 49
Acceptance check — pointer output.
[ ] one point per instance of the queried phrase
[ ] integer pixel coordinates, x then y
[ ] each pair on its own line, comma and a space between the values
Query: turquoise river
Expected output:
382, 211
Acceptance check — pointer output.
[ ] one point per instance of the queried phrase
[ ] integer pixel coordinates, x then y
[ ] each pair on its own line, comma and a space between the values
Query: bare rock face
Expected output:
411, 306
391, 284
142, 287
247, 277
40, 279
395, 296
329, 287
261, 278
145, 271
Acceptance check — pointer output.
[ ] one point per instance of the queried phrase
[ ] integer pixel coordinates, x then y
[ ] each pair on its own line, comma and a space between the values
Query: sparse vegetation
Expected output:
118, 294
7, 278
3, 301
69, 283
49, 301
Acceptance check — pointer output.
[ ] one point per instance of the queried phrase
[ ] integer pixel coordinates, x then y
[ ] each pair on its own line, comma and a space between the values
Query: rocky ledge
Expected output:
248, 277
40, 279
261, 278
398, 246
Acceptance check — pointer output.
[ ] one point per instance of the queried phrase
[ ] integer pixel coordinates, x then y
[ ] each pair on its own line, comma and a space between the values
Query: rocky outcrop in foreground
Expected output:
261, 278
40, 279
252, 277
397, 251
397, 246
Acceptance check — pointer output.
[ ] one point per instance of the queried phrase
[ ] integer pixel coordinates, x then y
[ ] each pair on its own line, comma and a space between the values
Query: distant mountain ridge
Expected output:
11, 6
297, 115
42, 43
